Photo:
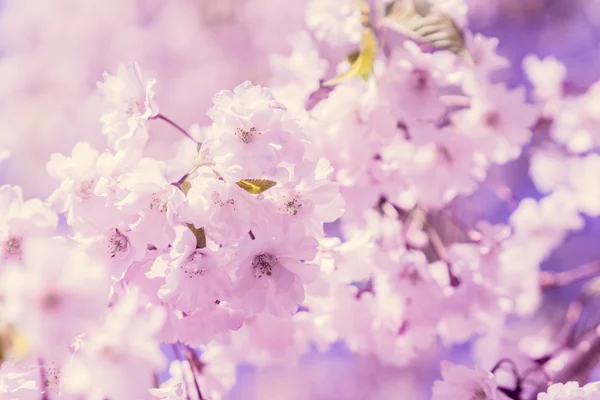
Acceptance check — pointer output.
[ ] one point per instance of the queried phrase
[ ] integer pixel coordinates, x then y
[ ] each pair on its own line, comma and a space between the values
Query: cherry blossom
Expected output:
20, 220
275, 233
335, 21
129, 103
56, 294
570, 390
271, 270
464, 383
123, 344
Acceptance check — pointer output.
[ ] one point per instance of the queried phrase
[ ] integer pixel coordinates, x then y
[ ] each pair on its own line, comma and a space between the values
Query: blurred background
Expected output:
52, 53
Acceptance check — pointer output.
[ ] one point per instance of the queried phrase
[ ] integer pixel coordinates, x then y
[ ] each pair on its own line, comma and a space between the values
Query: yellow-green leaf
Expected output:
363, 64
256, 186
200, 236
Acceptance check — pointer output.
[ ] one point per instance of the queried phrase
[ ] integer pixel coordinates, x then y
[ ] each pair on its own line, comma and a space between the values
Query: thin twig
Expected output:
190, 357
583, 272
440, 249
175, 348
174, 125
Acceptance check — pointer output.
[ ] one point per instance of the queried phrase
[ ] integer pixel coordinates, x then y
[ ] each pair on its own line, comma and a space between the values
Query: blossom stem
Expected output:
174, 125
556, 279
191, 357
175, 347
194, 168
440, 249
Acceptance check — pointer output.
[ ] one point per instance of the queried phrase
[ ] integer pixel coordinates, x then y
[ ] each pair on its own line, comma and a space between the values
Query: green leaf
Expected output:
256, 186
420, 22
363, 62
200, 236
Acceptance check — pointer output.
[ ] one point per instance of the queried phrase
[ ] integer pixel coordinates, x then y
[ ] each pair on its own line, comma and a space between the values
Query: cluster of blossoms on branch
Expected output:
321, 209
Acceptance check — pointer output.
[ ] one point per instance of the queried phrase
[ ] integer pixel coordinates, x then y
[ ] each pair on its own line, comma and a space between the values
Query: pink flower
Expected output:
542, 225
449, 165
78, 175
21, 219
571, 391
251, 133
221, 207
308, 194
498, 120
21, 380
56, 294
272, 269
349, 261
464, 383
216, 319
335, 21
128, 103
547, 75
124, 344
292, 83
193, 277
215, 379
413, 83
577, 176
156, 202
483, 52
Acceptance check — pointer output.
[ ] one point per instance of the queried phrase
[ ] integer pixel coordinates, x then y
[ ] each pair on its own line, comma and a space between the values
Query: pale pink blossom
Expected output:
498, 120
335, 21
216, 319
128, 105
571, 391
221, 207
271, 270
292, 82
155, 201
194, 278
125, 343
20, 220
57, 293
463, 383
308, 194
251, 133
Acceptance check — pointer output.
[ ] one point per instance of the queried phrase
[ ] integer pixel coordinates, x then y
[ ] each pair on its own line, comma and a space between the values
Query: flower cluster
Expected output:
318, 210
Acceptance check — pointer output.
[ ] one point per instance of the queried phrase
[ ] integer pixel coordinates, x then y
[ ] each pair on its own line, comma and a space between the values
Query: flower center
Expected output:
191, 269
245, 136
110, 353
216, 199
263, 265
420, 79
411, 274
51, 301
12, 247
479, 394
84, 191
291, 203
492, 119
158, 201
52, 380
117, 243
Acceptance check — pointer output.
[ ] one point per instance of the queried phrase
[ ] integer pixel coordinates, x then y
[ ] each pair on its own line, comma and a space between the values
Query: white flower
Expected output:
128, 104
